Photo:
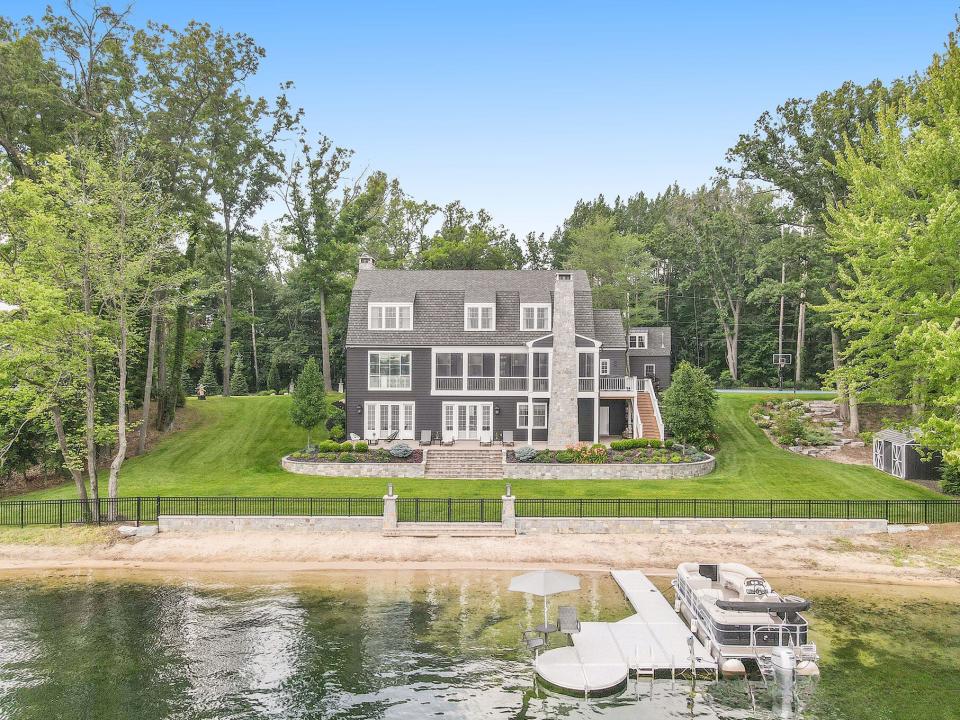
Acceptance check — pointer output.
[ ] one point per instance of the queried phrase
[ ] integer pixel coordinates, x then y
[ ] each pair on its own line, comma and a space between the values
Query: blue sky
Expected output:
524, 107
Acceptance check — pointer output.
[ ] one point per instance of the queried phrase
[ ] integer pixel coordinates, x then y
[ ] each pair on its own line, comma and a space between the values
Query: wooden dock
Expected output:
603, 655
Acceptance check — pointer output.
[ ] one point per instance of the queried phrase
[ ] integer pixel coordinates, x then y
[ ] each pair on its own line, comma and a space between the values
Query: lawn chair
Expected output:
392, 436
486, 443
533, 641
373, 439
354, 437
507, 438
567, 621
449, 442
426, 438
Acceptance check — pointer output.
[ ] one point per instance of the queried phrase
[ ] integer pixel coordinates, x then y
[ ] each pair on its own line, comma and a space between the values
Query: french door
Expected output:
382, 419
468, 421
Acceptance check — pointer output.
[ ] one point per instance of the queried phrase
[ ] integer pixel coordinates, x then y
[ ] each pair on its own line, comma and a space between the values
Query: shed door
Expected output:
898, 464
878, 454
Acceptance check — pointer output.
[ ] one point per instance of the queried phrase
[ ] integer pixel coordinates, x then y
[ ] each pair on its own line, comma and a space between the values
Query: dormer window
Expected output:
479, 316
390, 316
638, 341
535, 316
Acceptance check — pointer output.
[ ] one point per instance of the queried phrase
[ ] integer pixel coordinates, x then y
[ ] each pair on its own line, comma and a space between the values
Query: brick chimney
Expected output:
563, 429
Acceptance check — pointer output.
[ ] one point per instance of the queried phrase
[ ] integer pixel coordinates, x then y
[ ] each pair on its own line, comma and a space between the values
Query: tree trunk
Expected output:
846, 395
783, 281
325, 342
114, 477
801, 339
90, 399
148, 382
77, 476
227, 302
161, 360
854, 412
172, 397
253, 341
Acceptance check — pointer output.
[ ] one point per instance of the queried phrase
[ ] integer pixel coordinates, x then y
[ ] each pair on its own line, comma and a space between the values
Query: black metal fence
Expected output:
894, 511
146, 509
138, 510
449, 510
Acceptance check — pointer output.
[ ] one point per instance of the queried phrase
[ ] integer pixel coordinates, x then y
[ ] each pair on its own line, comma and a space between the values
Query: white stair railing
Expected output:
648, 388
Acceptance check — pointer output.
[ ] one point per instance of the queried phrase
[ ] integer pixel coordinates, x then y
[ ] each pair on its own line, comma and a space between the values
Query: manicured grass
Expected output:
236, 445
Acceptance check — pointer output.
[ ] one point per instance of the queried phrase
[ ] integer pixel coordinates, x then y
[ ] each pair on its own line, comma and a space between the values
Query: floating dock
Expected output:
603, 654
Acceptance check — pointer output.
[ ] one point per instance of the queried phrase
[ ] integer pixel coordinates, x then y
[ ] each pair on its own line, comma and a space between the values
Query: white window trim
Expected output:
497, 350
371, 411
529, 425
409, 364
371, 306
536, 306
604, 366
653, 367
480, 307
643, 335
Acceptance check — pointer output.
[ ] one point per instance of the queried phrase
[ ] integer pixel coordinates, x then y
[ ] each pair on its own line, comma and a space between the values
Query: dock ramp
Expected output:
603, 654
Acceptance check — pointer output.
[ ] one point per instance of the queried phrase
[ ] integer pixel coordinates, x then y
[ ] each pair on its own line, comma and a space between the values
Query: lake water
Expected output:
410, 645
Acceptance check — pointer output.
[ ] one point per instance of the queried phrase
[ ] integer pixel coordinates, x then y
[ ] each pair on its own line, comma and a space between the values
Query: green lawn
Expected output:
235, 446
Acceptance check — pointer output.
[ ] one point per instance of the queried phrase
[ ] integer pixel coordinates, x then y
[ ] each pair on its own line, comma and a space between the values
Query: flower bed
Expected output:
358, 452
620, 452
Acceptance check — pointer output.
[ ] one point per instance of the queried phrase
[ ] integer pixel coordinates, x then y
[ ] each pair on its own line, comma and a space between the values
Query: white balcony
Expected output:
488, 384
626, 385
449, 383
585, 385
540, 385
513, 384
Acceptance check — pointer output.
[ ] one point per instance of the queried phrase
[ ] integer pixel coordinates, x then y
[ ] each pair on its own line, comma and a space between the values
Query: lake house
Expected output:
469, 354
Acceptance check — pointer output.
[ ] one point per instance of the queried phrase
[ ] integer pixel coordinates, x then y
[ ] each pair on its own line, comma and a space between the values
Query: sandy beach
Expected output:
930, 557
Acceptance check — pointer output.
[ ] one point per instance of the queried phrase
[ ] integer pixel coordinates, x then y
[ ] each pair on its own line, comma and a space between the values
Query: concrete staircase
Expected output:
648, 417
464, 464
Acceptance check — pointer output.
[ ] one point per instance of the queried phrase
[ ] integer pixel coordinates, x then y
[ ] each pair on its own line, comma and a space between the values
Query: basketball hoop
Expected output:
782, 359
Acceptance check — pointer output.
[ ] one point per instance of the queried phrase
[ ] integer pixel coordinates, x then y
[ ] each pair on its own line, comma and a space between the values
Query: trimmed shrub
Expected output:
328, 446
346, 447
382, 455
401, 450
689, 405
544, 456
565, 456
348, 457
525, 454
360, 446
950, 479
337, 433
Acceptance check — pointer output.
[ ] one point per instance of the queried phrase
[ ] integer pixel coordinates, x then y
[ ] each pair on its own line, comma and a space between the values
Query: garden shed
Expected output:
898, 453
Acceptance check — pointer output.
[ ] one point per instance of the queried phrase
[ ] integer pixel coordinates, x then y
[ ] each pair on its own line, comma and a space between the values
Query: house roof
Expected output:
608, 326
438, 298
658, 341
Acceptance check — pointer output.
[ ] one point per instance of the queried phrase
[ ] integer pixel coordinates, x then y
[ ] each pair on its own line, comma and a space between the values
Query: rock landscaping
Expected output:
810, 428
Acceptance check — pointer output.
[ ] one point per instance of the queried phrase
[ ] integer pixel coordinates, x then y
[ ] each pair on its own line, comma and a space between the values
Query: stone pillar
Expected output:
563, 429
508, 514
390, 512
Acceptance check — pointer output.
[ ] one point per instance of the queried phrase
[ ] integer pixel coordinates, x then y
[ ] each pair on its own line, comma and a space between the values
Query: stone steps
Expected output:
464, 464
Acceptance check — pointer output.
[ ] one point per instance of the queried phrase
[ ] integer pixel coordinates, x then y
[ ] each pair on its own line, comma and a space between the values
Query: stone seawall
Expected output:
334, 469
607, 471
235, 523
698, 526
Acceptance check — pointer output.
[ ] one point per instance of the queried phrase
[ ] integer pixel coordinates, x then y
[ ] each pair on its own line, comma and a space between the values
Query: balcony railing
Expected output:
449, 383
585, 385
618, 384
481, 383
541, 385
388, 382
513, 384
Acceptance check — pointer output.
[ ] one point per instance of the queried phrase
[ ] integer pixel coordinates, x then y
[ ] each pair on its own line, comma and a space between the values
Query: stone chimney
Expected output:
563, 429
366, 262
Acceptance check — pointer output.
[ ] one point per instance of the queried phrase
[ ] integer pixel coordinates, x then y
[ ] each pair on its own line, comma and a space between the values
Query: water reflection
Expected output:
363, 645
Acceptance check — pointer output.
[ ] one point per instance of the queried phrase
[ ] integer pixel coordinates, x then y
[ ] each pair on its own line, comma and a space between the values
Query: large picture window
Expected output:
389, 370
390, 316
531, 416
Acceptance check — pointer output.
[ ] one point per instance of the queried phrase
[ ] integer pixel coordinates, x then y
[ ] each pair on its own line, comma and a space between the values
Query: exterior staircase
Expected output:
648, 417
464, 464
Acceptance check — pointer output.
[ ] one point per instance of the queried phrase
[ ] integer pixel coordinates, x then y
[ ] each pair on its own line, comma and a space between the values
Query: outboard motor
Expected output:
784, 664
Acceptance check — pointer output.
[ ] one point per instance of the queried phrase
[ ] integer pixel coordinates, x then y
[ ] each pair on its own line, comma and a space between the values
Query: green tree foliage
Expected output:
689, 405
208, 378
899, 296
273, 376
309, 408
238, 378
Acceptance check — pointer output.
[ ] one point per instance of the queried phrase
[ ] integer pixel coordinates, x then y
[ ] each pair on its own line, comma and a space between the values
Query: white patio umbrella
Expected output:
544, 583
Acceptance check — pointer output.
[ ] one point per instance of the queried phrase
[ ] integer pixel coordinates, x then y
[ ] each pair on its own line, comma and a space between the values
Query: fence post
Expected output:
390, 511
158, 509
22, 519
508, 513
886, 510
847, 511
926, 504
61, 512
138, 511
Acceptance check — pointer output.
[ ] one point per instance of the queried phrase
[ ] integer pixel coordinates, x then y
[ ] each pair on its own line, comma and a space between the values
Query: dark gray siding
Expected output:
618, 362
618, 415
662, 363
585, 418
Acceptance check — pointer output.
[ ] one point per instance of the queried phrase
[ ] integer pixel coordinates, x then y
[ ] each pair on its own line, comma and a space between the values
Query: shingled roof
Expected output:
658, 341
608, 325
438, 298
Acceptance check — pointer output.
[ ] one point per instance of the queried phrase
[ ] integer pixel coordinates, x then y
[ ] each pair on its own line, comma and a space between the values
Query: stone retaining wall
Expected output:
336, 469
607, 471
690, 526
224, 523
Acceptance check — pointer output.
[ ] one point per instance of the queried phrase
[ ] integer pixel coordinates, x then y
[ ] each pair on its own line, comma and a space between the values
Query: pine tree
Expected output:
689, 405
238, 378
273, 376
208, 378
309, 408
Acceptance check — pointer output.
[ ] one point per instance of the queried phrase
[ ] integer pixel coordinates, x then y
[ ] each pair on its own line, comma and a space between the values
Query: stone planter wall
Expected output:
607, 471
336, 469
269, 523
701, 526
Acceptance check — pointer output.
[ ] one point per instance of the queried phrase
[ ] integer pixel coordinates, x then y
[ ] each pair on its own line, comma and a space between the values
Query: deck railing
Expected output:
540, 384
148, 509
449, 383
585, 385
513, 384
482, 383
618, 384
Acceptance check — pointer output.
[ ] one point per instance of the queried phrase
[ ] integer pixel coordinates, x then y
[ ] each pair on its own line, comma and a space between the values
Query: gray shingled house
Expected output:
468, 354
